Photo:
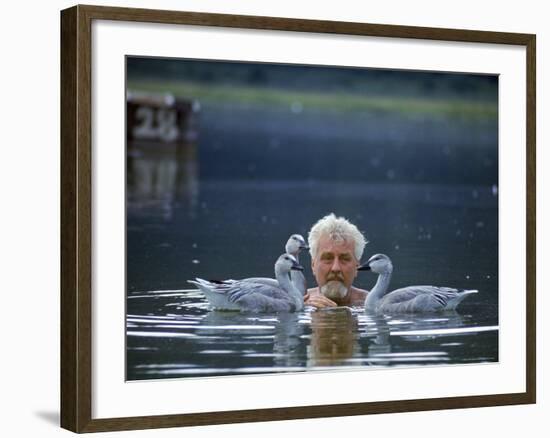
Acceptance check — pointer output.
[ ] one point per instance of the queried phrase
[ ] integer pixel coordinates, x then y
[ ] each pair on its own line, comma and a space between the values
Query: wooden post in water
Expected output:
161, 136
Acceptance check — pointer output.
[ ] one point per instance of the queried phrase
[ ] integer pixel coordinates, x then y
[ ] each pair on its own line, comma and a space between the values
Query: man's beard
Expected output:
334, 290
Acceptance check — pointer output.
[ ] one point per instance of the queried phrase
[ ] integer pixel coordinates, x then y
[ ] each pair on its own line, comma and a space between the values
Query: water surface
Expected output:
441, 235
423, 190
182, 338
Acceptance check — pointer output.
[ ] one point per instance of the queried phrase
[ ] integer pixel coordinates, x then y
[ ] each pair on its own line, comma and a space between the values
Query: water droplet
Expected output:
296, 107
195, 261
169, 99
488, 276
480, 224
494, 190
467, 277
194, 245
396, 247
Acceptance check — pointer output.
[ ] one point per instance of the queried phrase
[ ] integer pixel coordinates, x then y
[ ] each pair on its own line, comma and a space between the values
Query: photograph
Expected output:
242, 219
266, 218
290, 218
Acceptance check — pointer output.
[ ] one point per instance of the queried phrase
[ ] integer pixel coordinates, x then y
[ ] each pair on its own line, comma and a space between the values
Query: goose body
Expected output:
259, 297
293, 246
411, 299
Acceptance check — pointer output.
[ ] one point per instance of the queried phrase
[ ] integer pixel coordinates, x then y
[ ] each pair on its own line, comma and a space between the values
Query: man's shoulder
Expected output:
358, 291
358, 296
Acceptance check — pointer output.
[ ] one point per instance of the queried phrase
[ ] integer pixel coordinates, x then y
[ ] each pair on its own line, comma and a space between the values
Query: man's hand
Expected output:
318, 300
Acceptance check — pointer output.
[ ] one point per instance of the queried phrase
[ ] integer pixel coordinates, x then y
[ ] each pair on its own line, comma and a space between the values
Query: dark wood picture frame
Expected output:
76, 218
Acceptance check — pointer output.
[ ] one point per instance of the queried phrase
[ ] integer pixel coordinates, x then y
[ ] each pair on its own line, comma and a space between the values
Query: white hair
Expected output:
339, 229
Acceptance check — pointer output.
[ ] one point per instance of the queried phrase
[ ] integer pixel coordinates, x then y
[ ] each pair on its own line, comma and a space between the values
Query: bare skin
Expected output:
335, 263
355, 297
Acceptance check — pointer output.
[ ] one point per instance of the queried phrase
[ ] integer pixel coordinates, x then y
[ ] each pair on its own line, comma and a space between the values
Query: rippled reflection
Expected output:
179, 336
333, 337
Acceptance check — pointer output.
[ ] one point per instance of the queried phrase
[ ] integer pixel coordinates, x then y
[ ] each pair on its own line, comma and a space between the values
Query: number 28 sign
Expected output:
161, 118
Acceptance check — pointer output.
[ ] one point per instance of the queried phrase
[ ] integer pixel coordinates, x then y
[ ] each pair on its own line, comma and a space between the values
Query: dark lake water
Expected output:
422, 190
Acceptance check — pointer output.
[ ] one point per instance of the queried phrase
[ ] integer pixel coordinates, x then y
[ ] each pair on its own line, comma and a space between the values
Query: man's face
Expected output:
334, 267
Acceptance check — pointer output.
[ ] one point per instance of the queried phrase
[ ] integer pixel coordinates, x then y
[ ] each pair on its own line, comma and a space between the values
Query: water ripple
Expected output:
179, 336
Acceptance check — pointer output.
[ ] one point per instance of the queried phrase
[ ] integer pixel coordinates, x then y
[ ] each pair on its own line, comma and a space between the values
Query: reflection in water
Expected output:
377, 331
174, 333
288, 346
333, 337
160, 175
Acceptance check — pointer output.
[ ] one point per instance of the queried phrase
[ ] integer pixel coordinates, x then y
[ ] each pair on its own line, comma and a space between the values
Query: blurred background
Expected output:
226, 159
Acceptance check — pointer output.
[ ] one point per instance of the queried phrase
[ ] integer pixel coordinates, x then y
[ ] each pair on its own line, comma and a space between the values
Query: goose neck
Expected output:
284, 279
378, 291
285, 283
294, 254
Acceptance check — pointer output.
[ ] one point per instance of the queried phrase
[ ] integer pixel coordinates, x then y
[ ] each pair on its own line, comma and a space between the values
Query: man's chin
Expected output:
334, 290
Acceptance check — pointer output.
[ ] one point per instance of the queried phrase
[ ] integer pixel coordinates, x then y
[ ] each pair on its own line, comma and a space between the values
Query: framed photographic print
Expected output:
258, 207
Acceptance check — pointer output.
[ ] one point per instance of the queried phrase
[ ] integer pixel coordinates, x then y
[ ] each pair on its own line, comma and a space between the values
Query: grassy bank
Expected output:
330, 101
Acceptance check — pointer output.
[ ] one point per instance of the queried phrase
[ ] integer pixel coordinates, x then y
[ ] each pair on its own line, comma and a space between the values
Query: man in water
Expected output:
336, 247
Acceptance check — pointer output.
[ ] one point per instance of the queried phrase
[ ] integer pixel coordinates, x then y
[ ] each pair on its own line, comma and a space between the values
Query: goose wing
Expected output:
259, 297
245, 295
233, 289
423, 299
262, 280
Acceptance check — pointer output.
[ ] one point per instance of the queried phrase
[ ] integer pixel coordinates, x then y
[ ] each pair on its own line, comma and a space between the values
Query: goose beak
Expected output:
364, 267
304, 246
297, 267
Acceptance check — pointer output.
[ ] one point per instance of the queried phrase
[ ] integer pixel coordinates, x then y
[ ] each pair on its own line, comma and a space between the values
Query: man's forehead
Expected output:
327, 244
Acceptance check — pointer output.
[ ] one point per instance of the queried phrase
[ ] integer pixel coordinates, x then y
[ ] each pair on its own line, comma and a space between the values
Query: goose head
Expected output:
378, 263
287, 262
295, 244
